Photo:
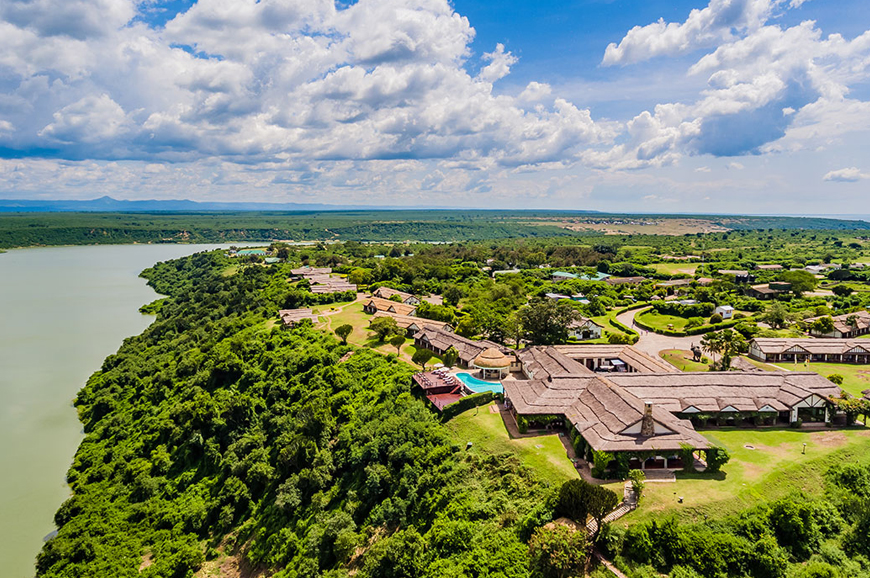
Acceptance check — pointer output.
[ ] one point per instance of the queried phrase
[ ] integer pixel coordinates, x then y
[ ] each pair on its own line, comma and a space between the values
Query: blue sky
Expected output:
752, 106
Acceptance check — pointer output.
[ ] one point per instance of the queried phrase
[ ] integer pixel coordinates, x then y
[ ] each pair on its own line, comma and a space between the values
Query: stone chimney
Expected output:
647, 427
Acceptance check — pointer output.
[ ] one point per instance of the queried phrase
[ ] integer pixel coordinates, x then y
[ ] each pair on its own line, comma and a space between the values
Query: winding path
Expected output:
651, 343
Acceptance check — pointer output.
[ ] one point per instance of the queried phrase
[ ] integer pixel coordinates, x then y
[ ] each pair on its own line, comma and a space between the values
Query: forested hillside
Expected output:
209, 433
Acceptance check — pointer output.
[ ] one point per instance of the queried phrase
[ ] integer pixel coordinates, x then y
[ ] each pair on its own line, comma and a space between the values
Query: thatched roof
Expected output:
387, 292
491, 358
544, 362
409, 322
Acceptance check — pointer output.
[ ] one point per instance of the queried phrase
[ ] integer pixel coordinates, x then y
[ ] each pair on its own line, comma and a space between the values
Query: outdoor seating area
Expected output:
439, 387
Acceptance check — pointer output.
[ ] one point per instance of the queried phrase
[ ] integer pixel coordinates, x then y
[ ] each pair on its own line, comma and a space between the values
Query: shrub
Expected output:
716, 458
637, 478
572, 501
836, 378
600, 460
465, 403
715, 318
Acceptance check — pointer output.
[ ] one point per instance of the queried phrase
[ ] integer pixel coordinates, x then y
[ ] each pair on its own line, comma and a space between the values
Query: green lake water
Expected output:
62, 311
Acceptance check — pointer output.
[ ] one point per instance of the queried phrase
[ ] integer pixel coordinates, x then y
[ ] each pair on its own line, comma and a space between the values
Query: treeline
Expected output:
28, 229
751, 235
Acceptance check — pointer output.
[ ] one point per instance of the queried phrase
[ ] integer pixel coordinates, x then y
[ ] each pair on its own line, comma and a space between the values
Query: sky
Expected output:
726, 106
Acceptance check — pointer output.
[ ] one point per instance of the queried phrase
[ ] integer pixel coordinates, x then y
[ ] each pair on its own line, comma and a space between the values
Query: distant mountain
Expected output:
108, 204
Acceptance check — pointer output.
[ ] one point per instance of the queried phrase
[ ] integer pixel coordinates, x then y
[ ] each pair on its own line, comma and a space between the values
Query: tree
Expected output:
546, 322
344, 331
572, 501
716, 458
421, 357
801, 281
776, 315
451, 295
600, 501
466, 327
384, 327
359, 277
712, 343
398, 341
450, 357
824, 325
733, 343
842, 290
558, 552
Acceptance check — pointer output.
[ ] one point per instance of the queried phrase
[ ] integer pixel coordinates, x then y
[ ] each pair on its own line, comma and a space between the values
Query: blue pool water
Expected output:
478, 385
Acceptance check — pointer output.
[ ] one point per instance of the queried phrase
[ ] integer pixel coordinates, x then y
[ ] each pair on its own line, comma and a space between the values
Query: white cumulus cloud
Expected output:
847, 175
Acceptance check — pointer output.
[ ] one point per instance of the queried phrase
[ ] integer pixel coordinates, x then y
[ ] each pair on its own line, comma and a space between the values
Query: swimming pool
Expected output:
478, 385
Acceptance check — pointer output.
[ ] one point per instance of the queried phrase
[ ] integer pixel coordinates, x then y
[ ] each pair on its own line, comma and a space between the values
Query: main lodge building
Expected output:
618, 399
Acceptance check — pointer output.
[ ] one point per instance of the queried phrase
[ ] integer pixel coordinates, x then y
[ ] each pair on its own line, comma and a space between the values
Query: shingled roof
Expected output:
639, 360
841, 324
544, 362
774, 346
386, 305
467, 349
602, 412
717, 391
408, 322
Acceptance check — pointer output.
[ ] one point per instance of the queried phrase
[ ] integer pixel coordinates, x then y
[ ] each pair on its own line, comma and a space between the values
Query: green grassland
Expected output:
488, 435
773, 469
675, 267
683, 360
660, 321
856, 378
350, 312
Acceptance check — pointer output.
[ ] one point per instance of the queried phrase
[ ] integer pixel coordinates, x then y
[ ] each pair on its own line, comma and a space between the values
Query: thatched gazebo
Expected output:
492, 363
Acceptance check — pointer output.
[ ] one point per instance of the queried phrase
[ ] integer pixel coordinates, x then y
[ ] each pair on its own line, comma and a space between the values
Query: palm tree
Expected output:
712, 343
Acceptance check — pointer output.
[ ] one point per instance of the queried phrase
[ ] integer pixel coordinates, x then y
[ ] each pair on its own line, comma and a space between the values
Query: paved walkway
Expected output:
651, 343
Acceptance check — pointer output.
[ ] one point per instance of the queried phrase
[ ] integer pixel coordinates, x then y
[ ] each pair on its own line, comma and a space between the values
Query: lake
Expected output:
62, 311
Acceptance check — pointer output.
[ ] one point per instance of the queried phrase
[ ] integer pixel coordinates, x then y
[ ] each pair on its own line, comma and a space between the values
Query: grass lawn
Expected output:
855, 377
337, 314
349, 312
683, 360
661, 321
760, 364
487, 432
775, 468
675, 267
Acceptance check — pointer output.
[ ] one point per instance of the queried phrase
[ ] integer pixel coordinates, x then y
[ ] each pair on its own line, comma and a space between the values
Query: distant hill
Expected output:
110, 205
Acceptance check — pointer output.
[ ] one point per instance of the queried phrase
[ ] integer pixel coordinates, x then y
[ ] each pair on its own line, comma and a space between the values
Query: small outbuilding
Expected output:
726, 311
492, 363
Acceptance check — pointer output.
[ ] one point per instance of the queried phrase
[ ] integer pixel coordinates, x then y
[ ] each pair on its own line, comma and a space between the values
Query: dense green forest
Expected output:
27, 229
210, 433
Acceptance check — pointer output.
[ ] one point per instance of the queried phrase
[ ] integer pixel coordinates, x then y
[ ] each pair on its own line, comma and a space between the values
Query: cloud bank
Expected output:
276, 97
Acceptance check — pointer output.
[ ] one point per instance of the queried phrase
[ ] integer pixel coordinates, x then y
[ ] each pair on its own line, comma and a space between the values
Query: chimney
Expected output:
647, 428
